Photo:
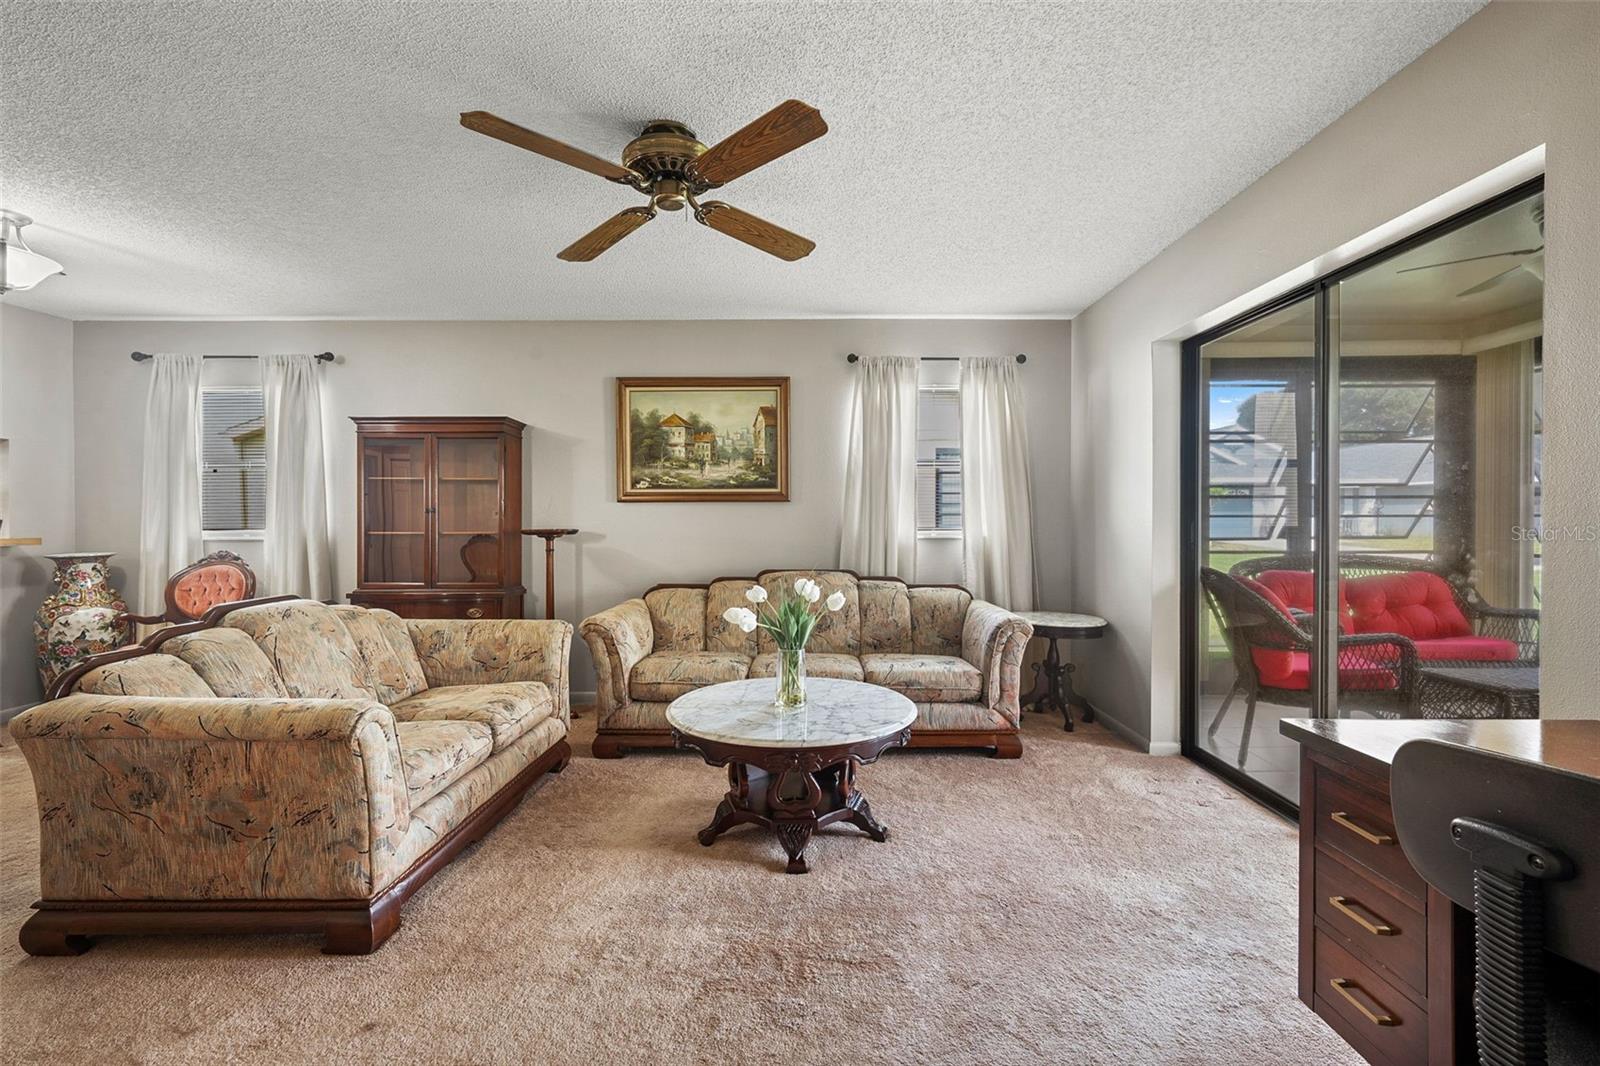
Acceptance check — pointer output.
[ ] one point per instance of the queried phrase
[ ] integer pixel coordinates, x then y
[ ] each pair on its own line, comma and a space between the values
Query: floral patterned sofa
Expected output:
283, 765
958, 659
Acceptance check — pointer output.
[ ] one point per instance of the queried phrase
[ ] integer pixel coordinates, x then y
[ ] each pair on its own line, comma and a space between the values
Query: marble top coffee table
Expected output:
792, 770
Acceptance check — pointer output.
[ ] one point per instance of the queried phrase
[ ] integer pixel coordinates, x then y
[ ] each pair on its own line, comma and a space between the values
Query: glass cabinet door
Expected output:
469, 511
394, 493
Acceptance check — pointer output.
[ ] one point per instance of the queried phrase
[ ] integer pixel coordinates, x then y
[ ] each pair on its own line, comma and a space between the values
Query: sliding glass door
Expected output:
1421, 368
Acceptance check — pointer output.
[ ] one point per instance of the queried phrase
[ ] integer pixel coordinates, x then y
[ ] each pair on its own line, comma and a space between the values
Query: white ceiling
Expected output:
304, 160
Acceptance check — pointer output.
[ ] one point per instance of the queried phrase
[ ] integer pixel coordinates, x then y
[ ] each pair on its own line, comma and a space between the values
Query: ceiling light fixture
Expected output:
20, 266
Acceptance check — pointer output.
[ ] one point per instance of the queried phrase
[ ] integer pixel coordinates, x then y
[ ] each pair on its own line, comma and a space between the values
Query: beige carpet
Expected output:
1086, 904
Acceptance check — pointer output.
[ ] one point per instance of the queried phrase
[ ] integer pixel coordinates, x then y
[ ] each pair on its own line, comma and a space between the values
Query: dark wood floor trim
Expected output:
349, 927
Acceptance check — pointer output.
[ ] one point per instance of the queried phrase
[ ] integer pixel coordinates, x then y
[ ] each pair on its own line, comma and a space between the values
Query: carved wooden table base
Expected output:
793, 792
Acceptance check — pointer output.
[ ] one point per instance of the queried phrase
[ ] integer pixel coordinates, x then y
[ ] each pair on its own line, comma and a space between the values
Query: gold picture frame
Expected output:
700, 440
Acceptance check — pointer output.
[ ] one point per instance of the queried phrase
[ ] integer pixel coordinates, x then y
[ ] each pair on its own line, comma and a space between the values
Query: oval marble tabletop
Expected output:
1063, 620
835, 712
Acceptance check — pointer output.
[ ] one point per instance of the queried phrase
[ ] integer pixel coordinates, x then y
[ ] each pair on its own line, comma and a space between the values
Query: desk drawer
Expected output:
1365, 1009
1381, 928
1358, 823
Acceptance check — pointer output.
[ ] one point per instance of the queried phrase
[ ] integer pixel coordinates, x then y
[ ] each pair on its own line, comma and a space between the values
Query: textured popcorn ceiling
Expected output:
304, 160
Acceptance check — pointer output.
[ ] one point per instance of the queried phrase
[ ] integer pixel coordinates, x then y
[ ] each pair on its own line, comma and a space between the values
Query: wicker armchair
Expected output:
1520, 625
1271, 655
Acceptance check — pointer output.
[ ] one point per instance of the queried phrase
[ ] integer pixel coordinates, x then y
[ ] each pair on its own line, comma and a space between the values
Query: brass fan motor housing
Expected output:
661, 154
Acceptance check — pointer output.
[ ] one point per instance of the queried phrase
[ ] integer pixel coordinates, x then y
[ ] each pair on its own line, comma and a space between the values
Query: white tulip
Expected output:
813, 592
800, 584
743, 617
835, 601
749, 622
732, 614
756, 594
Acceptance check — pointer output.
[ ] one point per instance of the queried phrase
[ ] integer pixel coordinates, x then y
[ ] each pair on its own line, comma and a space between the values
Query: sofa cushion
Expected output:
1419, 605
667, 675
885, 617
509, 708
678, 616
390, 659
229, 662
836, 631
938, 615
1296, 590
1467, 649
818, 664
720, 635
436, 755
309, 647
925, 678
145, 675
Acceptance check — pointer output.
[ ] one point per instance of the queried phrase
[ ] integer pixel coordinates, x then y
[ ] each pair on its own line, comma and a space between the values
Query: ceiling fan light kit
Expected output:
669, 164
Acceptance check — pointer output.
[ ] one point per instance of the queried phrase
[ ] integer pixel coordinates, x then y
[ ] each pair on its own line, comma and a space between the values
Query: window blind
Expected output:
233, 460
938, 460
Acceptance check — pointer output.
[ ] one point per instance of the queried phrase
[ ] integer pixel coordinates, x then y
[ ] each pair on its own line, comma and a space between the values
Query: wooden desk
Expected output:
1385, 958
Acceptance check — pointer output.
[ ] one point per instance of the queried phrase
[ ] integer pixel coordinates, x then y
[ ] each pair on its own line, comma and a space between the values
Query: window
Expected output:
938, 460
233, 460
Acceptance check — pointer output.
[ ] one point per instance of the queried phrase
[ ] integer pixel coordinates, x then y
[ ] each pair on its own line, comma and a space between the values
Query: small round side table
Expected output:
1052, 679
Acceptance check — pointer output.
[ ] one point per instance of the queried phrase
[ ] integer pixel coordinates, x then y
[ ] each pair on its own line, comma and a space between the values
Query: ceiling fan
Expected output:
672, 168
1533, 260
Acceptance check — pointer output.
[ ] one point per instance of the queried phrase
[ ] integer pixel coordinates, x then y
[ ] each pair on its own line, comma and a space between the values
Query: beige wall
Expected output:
1512, 78
36, 473
560, 378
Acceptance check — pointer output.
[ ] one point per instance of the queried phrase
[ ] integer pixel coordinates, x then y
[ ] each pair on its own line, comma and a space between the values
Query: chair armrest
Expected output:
1390, 653
994, 640
464, 651
618, 638
150, 797
1519, 625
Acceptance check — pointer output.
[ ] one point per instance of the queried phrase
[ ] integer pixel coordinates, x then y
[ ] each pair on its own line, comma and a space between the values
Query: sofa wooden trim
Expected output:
62, 686
347, 926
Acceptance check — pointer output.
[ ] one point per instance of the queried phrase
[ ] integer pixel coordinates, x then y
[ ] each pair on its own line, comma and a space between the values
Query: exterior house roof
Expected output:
705, 438
673, 420
769, 414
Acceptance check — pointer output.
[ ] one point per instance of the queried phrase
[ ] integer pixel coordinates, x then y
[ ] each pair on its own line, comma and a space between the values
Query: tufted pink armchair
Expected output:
221, 577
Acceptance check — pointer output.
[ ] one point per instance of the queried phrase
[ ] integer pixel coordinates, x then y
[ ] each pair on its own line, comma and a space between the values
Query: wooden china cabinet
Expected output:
439, 514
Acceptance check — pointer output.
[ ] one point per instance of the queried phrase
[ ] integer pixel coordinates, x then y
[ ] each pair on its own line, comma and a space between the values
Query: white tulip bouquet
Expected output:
790, 622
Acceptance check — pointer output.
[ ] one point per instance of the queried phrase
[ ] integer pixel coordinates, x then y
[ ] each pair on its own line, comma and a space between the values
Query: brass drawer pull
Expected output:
474, 612
1341, 818
1343, 987
1346, 908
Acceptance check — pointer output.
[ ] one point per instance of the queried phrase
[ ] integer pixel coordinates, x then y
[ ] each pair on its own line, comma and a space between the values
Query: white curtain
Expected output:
297, 556
996, 492
879, 527
169, 525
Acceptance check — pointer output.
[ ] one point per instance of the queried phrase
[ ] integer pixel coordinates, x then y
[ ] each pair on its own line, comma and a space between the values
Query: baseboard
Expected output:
1133, 736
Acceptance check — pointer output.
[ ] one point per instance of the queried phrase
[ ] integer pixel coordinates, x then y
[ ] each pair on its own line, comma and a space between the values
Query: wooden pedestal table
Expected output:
549, 536
1052, 680
792, 771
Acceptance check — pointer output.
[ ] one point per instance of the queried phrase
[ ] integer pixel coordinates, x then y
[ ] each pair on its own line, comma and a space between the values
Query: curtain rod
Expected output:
854, 358
142, 357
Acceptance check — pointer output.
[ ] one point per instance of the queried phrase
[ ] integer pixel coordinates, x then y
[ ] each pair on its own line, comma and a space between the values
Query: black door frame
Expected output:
1193, 421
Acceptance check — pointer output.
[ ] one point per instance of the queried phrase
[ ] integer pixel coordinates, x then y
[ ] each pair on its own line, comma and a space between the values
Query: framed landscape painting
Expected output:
702, 439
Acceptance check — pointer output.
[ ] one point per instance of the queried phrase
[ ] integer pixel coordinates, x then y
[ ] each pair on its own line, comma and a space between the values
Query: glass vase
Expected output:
791, 677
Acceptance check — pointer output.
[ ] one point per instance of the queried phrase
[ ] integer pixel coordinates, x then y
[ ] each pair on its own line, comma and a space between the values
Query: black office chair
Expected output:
1518, 844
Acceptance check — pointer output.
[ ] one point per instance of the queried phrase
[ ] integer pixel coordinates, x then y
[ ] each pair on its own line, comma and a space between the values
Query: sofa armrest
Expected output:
617, 639
462, 651
150, 797
995, 640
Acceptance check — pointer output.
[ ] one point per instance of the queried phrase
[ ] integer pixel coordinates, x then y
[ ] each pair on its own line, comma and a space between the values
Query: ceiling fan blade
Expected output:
1500, 278
781, 130
606, 234
501, 130
756, 232
1472, 259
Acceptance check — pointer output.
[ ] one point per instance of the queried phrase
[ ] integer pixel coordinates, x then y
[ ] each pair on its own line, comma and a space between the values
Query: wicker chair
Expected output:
1519, 625
1271, 654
